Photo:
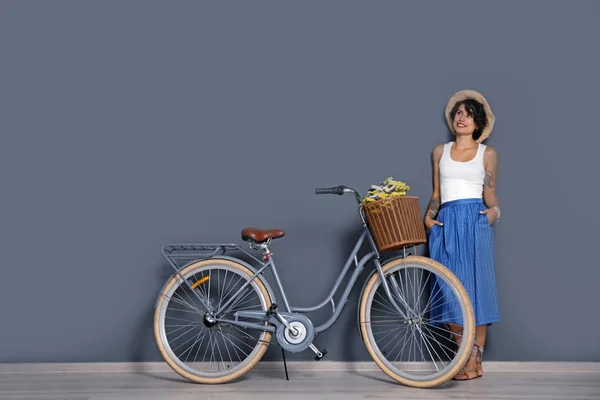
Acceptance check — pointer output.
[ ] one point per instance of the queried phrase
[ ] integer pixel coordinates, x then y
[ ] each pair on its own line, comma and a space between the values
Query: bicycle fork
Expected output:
396, 291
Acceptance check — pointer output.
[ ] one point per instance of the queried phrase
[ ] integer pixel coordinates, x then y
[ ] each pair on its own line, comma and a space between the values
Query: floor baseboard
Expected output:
299, 366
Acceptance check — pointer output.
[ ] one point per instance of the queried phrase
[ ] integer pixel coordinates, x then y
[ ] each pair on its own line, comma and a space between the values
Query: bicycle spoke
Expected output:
181, 319
181, 301
243, 334
181, 327
235, 348
425, 342
240, 279
200, 346
391, 341
192, 346
445, 330
246, 292
389, 332
442, 346
391, 309
175, 349
404, 346
230, 337
186, 311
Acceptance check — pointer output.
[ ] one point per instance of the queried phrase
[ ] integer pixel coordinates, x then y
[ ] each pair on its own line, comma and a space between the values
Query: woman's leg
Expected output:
470, 370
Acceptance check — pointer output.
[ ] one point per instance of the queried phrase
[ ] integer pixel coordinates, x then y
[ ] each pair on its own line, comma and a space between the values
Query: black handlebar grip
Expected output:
338, 190
333, 190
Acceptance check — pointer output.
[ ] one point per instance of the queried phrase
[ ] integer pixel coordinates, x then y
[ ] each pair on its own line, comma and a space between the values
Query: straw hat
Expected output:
472, 94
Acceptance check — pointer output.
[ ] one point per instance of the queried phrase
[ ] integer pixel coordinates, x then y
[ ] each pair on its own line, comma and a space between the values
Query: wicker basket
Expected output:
396, 222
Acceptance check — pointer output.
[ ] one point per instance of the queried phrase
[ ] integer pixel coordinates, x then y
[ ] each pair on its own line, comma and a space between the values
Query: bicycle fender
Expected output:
220, 257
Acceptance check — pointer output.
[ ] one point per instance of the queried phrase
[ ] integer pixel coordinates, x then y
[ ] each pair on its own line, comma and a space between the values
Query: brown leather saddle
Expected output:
260, 235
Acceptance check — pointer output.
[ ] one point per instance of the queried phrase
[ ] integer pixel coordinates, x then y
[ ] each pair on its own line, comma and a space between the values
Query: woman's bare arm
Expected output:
490, 197
434, 204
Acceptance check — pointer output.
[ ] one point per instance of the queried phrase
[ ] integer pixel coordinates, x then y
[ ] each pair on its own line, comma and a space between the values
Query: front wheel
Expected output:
432, 341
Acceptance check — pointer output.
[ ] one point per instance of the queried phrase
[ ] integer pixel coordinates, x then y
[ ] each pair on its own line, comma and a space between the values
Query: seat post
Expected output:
266, 252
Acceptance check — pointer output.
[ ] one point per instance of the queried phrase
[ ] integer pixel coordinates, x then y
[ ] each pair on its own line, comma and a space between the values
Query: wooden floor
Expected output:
16, 384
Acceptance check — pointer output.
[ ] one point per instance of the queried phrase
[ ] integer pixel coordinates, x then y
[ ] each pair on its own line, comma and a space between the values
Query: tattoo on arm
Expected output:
434, 206
489, 179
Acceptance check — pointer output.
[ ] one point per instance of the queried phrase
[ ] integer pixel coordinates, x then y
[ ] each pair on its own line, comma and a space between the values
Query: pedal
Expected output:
272, 309
319, 354
323, 352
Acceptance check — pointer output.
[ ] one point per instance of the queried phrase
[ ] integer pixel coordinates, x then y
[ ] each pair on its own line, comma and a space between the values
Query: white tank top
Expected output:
461, 180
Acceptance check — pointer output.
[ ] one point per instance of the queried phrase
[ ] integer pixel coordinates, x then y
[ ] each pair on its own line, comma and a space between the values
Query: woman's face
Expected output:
464, 124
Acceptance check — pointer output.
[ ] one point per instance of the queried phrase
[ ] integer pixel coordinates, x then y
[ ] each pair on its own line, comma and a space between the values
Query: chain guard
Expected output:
289, 342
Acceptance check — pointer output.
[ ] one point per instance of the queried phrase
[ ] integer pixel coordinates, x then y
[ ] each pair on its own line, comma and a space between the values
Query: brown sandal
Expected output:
465, 373
479, 361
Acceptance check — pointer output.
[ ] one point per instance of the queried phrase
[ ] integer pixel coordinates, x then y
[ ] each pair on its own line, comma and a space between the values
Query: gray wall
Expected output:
127, 125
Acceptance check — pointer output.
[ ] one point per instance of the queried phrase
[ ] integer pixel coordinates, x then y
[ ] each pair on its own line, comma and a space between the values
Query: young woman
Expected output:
462, 209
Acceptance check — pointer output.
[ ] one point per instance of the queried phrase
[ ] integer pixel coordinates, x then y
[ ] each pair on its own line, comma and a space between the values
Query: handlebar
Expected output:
339, 190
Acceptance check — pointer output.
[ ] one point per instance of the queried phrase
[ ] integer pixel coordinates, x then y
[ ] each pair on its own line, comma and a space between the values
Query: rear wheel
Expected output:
195, 345
417, 349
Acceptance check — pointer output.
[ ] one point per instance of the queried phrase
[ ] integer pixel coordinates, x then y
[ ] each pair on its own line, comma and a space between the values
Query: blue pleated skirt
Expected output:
464, 244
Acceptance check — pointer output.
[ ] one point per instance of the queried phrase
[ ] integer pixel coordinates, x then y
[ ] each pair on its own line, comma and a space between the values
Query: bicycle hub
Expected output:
209, 320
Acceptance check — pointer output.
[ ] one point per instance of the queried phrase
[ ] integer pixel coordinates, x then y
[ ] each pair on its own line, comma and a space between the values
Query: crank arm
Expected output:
280, 318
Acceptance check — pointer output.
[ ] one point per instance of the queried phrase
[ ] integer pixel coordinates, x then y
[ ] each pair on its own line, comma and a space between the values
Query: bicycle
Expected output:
224, 310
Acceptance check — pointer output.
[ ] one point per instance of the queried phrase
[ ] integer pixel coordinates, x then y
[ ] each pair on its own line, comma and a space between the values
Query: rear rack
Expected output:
173, 250
174, 253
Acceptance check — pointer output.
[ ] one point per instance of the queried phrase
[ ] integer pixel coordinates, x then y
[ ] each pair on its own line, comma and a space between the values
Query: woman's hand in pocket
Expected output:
429, 222
491, 213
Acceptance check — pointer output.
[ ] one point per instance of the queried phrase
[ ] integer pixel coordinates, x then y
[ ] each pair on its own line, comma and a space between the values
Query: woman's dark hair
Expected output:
476, 110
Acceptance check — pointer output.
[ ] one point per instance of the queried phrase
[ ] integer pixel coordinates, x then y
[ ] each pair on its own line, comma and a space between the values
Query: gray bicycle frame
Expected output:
336, 312
270, 263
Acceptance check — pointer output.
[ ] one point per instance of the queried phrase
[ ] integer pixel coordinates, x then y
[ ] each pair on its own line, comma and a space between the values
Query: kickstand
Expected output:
285, 364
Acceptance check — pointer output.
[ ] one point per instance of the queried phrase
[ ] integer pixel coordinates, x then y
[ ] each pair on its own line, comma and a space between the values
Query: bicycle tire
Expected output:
159, 331
469, 321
